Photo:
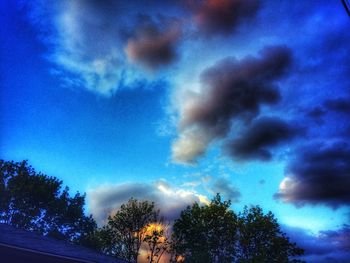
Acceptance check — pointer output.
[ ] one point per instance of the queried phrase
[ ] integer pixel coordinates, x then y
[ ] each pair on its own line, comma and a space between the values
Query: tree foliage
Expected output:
206, 233
261, 240
214, 233
36, 202
126, 230
158, 242
211, 233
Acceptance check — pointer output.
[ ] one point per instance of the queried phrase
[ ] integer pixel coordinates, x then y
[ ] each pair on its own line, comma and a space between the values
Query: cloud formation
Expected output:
226, 189
338, 105
215, 17
316, 112
231, 89
256, 141
104, 200
319, 174
153, 46
325, 247
87, 41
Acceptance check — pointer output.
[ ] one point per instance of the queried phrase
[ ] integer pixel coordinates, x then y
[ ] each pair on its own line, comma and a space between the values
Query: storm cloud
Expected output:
324, 247
338, 105
214, 17
319, 174
231, 89
260, 137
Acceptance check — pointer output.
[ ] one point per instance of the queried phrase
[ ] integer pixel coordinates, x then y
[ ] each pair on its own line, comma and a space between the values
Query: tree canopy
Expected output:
260, 239
126, 230
37, 202
215, 234
210, 233
206, 233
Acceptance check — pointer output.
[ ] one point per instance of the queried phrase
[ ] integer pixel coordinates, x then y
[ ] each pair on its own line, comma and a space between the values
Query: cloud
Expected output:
226, 189
215, 17
319, 174
104, 200
260, 137
154, 46
86, 41
230, 89
324, 247
316, 112
338, 105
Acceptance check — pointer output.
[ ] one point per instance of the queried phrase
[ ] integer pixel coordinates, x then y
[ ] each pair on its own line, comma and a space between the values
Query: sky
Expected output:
175, 101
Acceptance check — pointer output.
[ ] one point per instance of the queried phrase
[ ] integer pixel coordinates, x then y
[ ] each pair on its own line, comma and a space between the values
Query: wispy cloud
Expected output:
225, 187
87, 41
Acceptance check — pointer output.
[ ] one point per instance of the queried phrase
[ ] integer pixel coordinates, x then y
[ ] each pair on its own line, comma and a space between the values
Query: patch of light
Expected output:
203, 199
164, 189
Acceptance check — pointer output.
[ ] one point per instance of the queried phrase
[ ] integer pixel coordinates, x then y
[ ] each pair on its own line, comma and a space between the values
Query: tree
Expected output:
156, 238
214, 233
126, 230
36, 202
260, 239
206, 233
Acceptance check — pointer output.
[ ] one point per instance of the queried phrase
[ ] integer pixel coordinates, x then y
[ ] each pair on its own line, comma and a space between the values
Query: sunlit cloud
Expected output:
171, 200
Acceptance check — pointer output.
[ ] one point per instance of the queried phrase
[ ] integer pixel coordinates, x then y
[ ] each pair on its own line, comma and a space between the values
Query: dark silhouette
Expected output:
202, 234
214, 233
127, 229
206, 233
260, 239
37, 202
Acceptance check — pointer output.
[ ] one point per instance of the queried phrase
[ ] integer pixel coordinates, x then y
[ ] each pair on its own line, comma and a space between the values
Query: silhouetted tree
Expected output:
206, 233
36, 202
261, 240
126, 230
214, 233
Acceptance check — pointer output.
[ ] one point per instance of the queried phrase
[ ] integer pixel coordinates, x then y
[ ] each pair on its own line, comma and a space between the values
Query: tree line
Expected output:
211, 233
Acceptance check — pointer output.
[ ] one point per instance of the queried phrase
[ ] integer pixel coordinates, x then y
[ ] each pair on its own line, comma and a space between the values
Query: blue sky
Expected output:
175, 102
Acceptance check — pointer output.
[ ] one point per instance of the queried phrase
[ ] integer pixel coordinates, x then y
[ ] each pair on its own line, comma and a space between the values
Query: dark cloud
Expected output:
223, 16
105, 200
339, 105
154, 46
225, 188
327, 246
319, 174
230, 89
260, 137
316, 112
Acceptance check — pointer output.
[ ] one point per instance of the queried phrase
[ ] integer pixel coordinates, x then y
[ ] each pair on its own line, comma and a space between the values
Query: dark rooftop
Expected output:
33, 242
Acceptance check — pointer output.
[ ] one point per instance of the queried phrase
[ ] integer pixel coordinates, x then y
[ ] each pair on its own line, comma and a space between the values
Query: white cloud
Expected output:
85, 42
106, 199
